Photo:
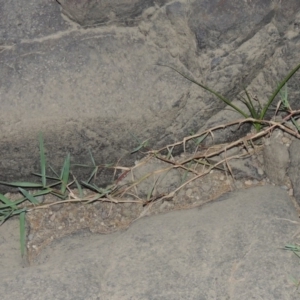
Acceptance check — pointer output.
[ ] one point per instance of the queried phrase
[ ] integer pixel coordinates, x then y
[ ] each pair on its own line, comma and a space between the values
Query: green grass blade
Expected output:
228, 102
93, 174
284, 97
186, 172
16, 203
200, 139
142, 145
22, 233
92, 158
93, 188
65, 174
42, 159
22, 184
18, 211
254, 113
275, 93
7, 202
43, 192
54, 172
4, 215
295, 124
29, 196
79, 188
292, 247
48, 177
150, 192
58, 194
108, 165
169, 155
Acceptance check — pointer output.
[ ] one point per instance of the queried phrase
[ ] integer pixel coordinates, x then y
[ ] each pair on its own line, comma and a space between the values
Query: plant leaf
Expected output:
93, 174
22, 233
79, 188
142, 145
228, 102
29, 196
7, 202
275, 93
22, 184
65, 174
92, 158
42, 159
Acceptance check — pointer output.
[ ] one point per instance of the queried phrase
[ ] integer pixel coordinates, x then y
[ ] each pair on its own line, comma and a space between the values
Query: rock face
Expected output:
101, 87
99, 12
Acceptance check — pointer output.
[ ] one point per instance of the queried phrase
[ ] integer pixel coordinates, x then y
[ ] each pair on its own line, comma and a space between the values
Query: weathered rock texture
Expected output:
294, 169
98, 87
99, 12
276, 159
231, 249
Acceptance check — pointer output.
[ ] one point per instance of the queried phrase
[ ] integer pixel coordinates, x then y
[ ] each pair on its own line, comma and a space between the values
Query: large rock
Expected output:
101, 88
99, 12
231, 249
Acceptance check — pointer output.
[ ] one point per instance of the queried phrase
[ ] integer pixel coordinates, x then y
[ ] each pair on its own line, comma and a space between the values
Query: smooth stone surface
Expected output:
229, 249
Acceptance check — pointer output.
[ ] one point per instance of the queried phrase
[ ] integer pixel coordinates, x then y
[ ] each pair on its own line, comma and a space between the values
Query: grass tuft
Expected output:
258, 112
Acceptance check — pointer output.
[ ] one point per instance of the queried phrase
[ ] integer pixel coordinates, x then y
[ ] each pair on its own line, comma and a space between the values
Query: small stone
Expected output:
165, 206
127, 205
189, 192
30, 237
52, 218
126, 212
260, 171
206, 187
248, 182
285, 140
57, 207
239, 185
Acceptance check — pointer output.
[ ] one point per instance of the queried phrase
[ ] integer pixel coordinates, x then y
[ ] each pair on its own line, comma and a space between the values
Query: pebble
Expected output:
285, 140
56, 207
239, 185
166, 205
260, 171
189, 192
126, 212
284, 187
41, 198
206, 187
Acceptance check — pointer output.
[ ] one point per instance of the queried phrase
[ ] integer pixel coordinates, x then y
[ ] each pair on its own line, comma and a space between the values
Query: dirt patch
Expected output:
60, 220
